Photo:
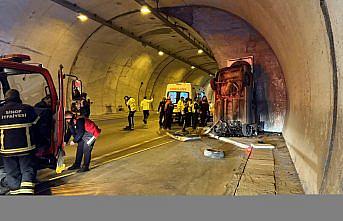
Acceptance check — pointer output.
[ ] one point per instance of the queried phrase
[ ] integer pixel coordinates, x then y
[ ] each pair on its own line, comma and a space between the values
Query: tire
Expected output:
247, 130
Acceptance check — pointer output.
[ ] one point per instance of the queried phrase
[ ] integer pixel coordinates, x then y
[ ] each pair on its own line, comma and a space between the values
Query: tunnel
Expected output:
297, 49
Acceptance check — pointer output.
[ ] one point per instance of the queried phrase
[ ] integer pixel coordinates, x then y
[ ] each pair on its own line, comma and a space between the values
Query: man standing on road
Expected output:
161, 110
17, 126
168, 114
145, 105
85, 132
180, 109
131, 105
204, 111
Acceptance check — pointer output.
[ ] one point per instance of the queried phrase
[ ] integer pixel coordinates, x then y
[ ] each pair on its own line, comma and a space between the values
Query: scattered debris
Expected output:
214, 154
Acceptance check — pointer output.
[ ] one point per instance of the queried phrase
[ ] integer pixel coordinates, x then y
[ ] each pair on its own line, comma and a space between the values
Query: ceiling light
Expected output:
160, 53
192, 67
200, 51
82, 17
145, 10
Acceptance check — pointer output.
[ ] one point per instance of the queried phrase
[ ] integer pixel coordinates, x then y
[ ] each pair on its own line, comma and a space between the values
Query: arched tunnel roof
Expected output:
300, 54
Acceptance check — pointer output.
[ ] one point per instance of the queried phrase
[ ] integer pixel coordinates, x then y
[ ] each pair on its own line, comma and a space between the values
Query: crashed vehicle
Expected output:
235, 107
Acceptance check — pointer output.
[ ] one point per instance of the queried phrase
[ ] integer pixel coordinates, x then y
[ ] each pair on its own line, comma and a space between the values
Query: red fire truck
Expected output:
34, 83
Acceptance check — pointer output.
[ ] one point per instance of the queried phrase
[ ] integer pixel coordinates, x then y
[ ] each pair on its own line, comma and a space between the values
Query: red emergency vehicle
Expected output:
35, 83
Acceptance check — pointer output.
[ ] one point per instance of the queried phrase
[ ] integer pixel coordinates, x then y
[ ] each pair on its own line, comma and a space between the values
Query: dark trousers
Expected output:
180, 118
186, 120
203, 119
131, 119
161, 118
19, 169
145, 116
83, 150
168, 119
195, 119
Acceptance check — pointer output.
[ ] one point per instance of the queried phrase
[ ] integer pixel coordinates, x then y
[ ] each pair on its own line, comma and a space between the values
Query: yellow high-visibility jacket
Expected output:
145, 104
131, 104
180, 106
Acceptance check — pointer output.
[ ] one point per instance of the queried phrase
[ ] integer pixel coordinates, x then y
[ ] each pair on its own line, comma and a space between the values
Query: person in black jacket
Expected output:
204, 111
18, 129
161, 110
76, 128
85, 106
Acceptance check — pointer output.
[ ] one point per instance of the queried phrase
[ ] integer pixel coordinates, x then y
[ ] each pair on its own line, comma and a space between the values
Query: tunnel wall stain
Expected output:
231, 37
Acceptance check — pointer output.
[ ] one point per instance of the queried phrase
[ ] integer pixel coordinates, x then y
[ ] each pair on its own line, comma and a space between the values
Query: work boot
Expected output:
74, 167
4, 189
83, 169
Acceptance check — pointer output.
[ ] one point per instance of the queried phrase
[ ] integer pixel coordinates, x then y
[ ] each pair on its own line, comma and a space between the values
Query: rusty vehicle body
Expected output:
235, 108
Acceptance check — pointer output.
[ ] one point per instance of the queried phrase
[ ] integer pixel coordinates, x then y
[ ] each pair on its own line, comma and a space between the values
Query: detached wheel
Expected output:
247, 130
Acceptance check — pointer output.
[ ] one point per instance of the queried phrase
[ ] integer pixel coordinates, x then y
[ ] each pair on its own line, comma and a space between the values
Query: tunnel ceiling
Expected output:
156, 29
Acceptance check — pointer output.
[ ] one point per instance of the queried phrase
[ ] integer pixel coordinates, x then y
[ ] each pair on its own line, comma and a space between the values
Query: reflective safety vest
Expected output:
145, 104
16, 129
131, 104
180, 106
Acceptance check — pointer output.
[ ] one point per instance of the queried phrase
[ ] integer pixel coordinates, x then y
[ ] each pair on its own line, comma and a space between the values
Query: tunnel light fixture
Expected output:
145, 10
160, 53
200, 51
192, 67
82, 17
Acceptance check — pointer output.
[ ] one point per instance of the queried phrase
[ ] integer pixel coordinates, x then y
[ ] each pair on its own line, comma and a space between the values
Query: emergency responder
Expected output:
186, 114
195, 113
44, 103
145, 105
161, 110
131, 105
44, 125
168, 114
180, 108
204, 111
85, 133
85, 106
17, 125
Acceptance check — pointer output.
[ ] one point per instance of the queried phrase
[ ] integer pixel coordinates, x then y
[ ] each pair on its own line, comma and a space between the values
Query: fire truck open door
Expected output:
60, 130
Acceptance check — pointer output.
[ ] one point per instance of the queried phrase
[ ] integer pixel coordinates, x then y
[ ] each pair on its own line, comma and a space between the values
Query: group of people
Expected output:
131, 105
25, 130
188, 111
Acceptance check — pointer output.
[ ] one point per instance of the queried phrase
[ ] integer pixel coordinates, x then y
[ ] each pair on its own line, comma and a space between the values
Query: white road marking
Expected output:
127, 148
117, 151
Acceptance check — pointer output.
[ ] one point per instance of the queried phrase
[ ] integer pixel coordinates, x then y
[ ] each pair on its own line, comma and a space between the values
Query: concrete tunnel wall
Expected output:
294, 29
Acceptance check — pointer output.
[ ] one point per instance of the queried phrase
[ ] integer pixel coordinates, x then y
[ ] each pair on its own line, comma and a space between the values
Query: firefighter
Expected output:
145, 105
131, 105
161, 110
180, 108
44, 125
17, 125
168, 114
85, 133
